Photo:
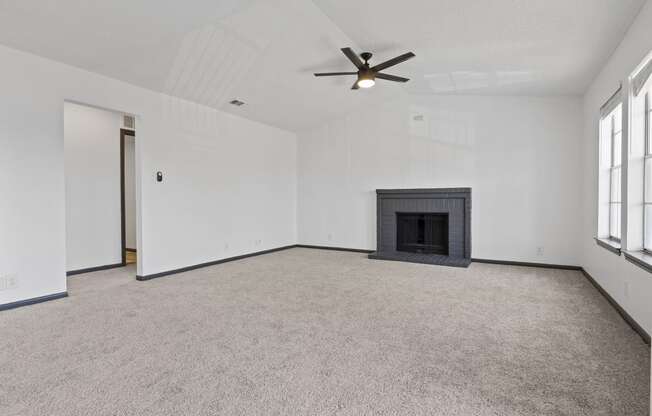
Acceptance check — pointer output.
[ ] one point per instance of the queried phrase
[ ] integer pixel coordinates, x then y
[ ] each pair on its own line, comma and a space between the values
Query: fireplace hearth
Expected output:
430, 226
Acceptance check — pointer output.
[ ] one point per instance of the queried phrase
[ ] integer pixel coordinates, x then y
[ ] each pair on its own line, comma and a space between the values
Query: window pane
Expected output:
637, 144
614, 221
605, 143
618, 118
649, 131
615, 185
610, 173
648, 180
648, 228
618, 138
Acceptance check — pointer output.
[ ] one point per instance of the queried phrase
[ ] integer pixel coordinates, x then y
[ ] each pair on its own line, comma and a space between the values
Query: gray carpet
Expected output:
310, 332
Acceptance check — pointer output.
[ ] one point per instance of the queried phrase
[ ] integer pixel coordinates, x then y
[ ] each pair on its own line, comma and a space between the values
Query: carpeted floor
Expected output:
311, 332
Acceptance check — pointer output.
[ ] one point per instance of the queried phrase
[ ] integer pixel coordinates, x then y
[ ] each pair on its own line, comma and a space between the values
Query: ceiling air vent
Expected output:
236, 102
129, 122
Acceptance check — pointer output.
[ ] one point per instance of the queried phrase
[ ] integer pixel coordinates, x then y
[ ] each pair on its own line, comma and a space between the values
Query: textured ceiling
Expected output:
264, 51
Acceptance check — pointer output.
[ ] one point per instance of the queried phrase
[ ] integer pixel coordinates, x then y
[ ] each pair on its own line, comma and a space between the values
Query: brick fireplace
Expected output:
431, 226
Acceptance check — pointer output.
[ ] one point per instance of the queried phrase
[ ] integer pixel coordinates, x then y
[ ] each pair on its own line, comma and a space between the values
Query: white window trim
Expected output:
613, 166
648, 155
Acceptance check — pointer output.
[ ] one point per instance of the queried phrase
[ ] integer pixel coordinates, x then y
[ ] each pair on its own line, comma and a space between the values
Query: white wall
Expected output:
130, 191
228, 181
628, 284
521, 156
92, 176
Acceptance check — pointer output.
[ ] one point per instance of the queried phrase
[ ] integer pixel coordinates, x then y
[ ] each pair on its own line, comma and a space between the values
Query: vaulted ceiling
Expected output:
264, 52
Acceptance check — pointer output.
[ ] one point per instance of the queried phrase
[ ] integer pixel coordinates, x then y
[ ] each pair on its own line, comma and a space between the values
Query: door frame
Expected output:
123, 226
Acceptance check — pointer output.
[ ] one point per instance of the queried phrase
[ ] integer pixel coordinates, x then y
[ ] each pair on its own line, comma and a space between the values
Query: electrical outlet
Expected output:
8, 282
539, 251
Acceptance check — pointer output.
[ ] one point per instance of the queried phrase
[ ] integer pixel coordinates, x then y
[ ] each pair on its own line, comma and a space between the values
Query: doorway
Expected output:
101, 193
128, 195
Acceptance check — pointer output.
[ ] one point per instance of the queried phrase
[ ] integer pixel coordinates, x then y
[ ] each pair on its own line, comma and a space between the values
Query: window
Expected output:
625, 147
647, 177
640, 159
611, 137
639, 169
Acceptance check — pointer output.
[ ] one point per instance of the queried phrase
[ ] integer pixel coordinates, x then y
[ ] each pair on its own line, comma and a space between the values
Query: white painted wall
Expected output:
92, 175
628, 284
227, 180
130, 191
520, 156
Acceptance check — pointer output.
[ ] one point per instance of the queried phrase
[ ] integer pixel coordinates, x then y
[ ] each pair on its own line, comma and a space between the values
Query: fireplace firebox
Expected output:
422, 232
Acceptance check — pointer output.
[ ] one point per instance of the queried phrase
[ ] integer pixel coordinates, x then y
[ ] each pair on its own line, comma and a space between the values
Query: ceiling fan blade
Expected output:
332, 74
393, 61
355, 86
352, 57
391, 77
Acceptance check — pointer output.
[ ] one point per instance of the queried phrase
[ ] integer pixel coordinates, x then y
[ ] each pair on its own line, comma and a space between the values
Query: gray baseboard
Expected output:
353, 250
527, 264
210, 263
32, 301
622, 312
95, 269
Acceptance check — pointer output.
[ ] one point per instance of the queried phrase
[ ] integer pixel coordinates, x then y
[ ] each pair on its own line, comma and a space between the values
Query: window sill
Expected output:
641, 259
610, 245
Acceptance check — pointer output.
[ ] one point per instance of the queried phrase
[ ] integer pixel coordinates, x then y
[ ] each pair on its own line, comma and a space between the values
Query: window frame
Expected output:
612, 168
647, 155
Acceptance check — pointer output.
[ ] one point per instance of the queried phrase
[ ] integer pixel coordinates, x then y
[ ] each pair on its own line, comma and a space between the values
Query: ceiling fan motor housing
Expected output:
366, 73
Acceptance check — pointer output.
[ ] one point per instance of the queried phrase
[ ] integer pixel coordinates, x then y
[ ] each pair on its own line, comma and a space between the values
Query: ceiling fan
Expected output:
367, 75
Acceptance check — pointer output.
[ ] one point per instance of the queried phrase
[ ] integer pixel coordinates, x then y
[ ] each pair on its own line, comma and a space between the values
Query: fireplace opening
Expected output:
422, 232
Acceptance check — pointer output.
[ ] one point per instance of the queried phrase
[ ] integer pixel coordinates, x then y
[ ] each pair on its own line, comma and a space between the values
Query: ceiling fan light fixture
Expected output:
366, 78
366, 83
